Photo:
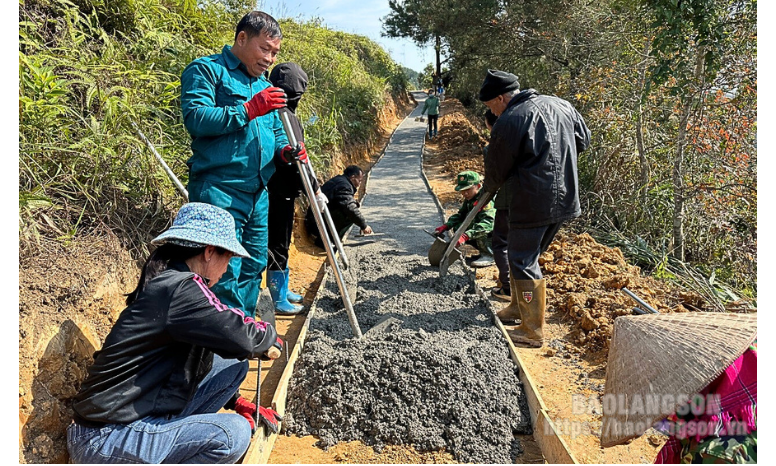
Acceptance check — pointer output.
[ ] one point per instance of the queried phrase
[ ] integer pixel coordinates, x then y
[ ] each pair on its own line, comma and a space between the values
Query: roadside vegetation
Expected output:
669, 91
89, 68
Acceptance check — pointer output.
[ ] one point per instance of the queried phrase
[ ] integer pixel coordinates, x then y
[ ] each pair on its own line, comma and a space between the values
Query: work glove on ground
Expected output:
291, 154
274, 351
270, 418
245, 409
440, 231
463, 239
271, 98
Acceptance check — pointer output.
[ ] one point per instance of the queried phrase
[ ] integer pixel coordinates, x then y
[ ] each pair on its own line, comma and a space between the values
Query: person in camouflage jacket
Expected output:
478, 234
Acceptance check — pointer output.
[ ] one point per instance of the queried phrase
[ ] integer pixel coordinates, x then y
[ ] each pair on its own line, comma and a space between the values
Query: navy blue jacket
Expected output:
534, 145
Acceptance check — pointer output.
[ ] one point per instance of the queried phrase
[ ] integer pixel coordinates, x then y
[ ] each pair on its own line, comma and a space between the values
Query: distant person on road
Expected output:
469, 184
500, 229
431, 105
284, 187
174, 358
533, 147
229, 109
343, 206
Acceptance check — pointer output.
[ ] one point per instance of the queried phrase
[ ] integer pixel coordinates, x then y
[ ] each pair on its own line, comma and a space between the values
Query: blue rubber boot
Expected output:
278, 287
290, 295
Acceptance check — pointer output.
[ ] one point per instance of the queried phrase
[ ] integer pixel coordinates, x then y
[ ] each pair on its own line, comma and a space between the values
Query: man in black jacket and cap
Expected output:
533, 149
343, 206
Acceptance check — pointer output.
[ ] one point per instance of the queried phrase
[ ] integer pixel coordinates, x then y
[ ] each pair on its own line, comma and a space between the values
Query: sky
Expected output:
355, 16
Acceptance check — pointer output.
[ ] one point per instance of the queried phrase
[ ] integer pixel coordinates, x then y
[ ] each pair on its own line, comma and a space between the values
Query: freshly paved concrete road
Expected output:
440, 375
398, 203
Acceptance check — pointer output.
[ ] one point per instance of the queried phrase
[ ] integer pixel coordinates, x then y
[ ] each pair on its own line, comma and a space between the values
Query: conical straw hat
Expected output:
656, 362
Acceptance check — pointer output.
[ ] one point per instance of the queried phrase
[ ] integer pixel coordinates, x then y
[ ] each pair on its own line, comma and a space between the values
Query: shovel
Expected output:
437, 251
322, 228
448, 257
350, 281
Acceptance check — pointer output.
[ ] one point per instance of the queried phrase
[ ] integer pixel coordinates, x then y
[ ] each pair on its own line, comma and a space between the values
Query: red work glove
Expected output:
245, 409
464, 238
289, 154
439, 231
271, 98
270, 418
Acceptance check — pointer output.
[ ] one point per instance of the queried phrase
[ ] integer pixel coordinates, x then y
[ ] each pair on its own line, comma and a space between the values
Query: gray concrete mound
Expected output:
436, 373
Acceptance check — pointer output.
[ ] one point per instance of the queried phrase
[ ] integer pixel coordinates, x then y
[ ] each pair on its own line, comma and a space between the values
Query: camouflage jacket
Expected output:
483, 222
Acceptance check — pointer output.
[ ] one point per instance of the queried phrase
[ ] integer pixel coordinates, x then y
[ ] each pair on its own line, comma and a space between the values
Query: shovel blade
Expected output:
437, 252
386, 324
266, 308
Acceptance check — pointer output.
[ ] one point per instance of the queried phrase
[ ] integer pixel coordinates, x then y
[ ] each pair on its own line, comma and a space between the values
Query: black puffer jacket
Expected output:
343, 206
534, 144
162, 346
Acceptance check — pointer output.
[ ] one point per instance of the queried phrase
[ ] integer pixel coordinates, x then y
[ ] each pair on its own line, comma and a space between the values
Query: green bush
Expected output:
88, 68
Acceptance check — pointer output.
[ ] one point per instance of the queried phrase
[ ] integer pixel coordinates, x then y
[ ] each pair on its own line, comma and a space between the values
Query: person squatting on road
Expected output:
343, 206
431, 105
500, 235
533, 149
284, 187
469, 184
228, 109
175, 356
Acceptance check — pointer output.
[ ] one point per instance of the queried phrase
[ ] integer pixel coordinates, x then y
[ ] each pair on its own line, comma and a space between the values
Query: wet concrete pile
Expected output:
440, 379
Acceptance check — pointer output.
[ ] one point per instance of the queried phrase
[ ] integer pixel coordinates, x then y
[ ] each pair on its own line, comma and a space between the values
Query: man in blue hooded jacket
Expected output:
228, 108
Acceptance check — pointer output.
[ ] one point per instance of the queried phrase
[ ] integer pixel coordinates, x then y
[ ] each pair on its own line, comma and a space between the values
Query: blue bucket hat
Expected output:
198, 224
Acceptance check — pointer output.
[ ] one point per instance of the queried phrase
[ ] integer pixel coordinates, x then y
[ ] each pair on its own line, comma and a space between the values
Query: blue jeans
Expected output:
239, 286
197, 435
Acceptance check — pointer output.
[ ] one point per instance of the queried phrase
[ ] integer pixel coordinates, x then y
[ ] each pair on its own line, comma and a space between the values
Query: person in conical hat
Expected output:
175, 357
692, 376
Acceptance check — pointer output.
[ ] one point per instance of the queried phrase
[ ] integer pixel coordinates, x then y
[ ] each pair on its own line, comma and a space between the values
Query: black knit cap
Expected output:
497, 83
292, 79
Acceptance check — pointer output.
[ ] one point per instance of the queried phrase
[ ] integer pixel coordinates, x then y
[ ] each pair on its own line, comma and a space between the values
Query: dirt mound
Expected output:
458, 140
584, 284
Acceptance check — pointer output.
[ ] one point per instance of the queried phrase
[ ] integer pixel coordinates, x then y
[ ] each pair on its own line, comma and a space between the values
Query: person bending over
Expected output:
174, 358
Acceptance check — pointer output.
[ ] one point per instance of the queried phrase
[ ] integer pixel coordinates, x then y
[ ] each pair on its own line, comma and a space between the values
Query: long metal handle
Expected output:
643, 303
161, 161
322, 229
482, 202
330, 223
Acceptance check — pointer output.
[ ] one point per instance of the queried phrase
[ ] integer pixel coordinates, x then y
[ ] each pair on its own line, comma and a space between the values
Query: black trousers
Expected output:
432, 121
342, 226
525, 247
500, 246
280, 223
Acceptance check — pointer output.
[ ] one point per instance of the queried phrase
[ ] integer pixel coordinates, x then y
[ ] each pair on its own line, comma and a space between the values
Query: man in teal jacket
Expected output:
228, 109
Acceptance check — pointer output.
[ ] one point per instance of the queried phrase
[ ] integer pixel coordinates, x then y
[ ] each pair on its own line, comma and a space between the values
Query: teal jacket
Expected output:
431, 106
226, 147
482, 223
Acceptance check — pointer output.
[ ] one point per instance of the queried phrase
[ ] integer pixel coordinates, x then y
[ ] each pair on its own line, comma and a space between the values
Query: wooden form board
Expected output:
262, 444
553, 446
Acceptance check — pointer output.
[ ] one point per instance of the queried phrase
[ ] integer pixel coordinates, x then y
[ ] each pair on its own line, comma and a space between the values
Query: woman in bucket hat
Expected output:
174, 358
692, 376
